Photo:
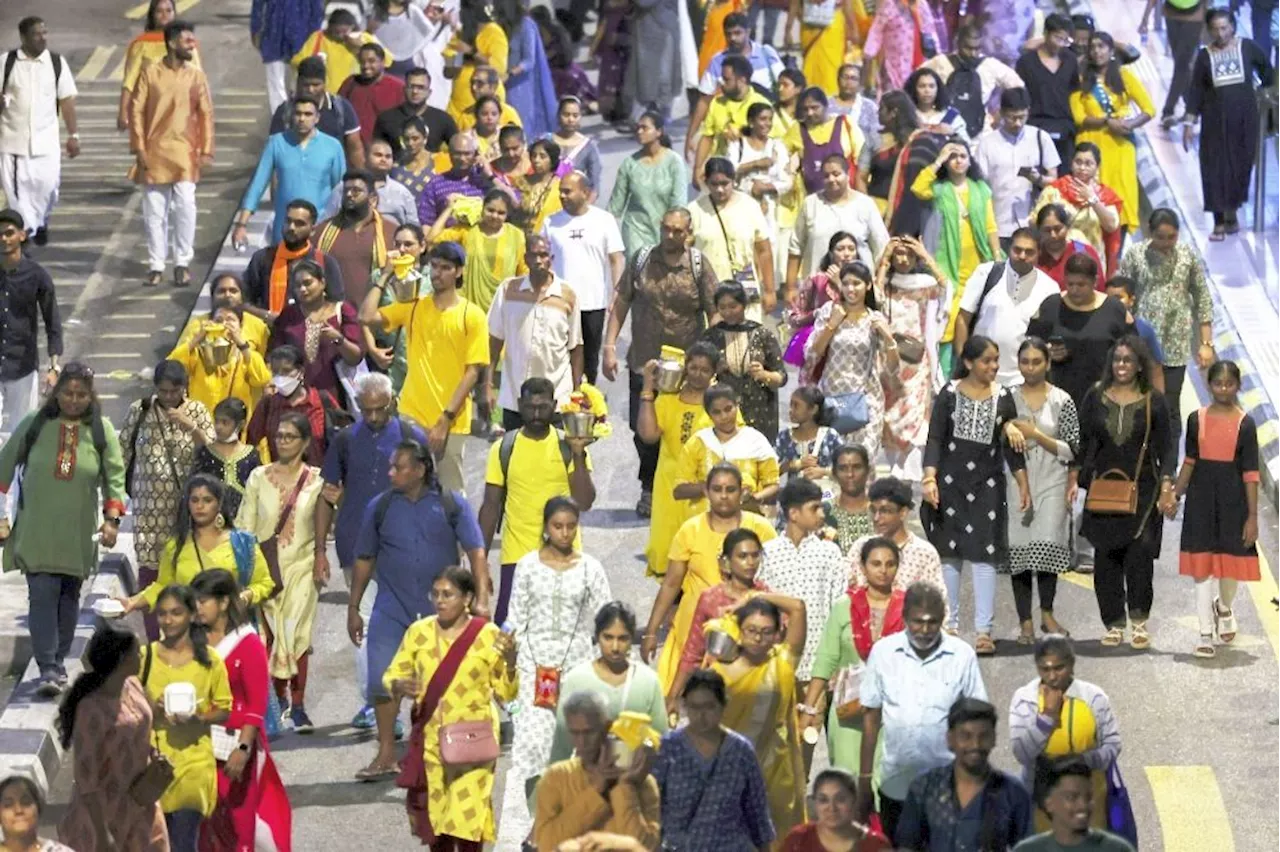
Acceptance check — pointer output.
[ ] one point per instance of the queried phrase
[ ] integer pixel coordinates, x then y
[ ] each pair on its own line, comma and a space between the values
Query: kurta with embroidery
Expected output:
291, 614
62, 492
162, 454
459, 801
171, 122
233, 470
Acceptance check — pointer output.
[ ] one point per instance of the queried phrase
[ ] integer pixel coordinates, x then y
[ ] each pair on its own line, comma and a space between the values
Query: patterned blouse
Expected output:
816, 572
849, 526
712, 803
1172, 295
739, 346
233, 471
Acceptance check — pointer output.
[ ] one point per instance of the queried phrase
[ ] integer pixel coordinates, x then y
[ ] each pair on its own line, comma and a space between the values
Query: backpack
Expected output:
508, 446
29, 438
695, 266
964, 87
336, 418
12, 60
447, 500
994, 277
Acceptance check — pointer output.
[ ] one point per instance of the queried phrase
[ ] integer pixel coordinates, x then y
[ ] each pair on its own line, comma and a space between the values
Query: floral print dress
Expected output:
853, 362
906, 416
739, 346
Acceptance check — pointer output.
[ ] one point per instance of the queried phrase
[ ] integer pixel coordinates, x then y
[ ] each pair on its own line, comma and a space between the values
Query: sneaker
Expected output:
364, 719
301, 721
48, 686
399, 729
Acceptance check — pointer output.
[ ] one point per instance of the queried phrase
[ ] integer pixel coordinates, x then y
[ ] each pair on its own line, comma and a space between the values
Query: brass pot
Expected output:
404, 286
670, 375
215, 352
721, 646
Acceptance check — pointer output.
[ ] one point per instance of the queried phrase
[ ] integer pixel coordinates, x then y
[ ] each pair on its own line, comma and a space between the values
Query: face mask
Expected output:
923, 643
285, 385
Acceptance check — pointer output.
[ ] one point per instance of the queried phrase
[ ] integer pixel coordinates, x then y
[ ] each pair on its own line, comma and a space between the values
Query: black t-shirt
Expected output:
1050, 91
390, 124
1087, 335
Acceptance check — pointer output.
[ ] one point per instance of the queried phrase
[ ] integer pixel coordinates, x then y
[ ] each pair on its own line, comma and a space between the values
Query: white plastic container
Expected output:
108, 608
180, 699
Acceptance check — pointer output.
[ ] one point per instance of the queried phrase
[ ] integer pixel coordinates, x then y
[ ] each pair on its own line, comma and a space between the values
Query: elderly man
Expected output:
337, 116
171, 134
587, 251
591, 791
37, 85
373, 90
465, 177
354, 473
394, 198
911, 680
417, 90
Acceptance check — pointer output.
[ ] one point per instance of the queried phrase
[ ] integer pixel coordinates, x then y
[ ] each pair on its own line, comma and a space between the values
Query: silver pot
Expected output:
670, 375
721, 646
579, 424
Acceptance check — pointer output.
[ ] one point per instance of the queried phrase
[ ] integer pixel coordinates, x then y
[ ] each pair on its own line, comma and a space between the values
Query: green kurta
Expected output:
642, 193
644, 696
60, 515
835, 651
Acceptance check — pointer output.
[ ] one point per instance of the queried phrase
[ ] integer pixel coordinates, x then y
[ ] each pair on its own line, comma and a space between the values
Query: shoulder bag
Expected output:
1113, 492
151, 782
269, 546
910, 348
745, 276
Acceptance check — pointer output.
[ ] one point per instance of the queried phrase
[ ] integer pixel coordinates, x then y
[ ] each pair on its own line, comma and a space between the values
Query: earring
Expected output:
219, 522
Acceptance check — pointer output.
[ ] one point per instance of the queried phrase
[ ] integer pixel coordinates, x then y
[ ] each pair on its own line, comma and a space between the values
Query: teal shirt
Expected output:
308, 172
1096, 841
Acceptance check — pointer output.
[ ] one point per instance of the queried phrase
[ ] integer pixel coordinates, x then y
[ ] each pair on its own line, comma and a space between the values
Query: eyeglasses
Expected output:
288, 436
758, 632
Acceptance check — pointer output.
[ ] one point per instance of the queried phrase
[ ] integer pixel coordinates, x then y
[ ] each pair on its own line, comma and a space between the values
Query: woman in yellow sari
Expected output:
761, 686
494, 247
480, 41
670, 420
694, 566
829, 45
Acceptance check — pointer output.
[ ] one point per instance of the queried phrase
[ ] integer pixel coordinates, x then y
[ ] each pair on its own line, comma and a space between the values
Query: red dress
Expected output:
804, 838
257, 803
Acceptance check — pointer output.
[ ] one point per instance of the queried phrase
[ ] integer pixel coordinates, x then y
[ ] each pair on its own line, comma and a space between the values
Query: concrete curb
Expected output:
28, 726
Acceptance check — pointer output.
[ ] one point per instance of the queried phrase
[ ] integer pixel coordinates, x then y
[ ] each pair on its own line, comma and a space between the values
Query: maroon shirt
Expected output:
266, 419
371, 98
291, 327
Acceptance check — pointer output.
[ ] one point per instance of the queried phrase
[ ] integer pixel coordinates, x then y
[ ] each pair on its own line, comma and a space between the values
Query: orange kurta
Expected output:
171, 122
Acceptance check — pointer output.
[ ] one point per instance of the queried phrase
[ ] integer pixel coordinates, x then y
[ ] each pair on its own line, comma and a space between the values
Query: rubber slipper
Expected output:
376, 772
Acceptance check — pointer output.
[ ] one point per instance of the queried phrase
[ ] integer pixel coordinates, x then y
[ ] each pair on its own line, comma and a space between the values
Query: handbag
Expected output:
745, 276
1113, 492
847, 412
846, 695
468, 743
910, 348
1120, 819
269, 547
150, 784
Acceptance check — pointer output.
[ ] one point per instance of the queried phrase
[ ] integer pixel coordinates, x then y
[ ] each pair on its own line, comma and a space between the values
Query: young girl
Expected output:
808, 448
228, 458
1220, 524
727, 440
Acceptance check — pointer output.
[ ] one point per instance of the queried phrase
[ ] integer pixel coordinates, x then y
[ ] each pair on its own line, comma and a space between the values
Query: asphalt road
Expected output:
1200, 738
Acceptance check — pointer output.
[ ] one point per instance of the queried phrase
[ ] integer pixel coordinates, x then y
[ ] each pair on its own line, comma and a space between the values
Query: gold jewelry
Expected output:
219, 522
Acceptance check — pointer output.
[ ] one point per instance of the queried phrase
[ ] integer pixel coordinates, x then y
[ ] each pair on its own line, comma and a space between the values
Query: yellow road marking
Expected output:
1190, 807
137, 13
96, 62
1084, 581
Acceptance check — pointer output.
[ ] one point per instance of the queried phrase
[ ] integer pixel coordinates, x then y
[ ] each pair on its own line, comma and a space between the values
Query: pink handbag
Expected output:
468, 743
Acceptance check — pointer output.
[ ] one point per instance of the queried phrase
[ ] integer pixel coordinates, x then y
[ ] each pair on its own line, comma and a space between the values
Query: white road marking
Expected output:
96, 62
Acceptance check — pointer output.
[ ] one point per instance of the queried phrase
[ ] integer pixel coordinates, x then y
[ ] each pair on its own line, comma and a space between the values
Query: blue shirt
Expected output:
914, 697
933, 821
309, 172
414, 544
712, 804
1147, 333
359, 459
766, 65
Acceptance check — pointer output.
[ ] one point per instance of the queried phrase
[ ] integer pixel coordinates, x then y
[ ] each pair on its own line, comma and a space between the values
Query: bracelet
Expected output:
1206, 343
647, 396
807, 708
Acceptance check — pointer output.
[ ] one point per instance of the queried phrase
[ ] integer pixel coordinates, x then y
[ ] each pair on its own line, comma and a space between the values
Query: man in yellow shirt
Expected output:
447, 343
727, 114
337, 43
527, 468
485, 81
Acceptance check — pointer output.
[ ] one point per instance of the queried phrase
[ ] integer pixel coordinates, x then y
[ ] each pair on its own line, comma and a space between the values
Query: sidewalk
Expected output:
1242, 269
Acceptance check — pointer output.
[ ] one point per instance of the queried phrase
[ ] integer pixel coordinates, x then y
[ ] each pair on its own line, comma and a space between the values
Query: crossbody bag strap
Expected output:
448, 668
293, 499
178, 481
1146, 439
728, 244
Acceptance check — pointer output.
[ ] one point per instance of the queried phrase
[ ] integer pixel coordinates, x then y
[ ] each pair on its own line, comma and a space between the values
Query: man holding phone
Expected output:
1017, 160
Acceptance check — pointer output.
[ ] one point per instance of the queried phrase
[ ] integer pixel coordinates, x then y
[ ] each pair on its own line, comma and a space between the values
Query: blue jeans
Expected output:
984, 593
53, 608
184, 830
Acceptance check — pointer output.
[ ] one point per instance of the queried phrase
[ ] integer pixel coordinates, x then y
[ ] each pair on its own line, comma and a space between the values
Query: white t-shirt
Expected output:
1000, 158
580, 248
1006, 312
29, 120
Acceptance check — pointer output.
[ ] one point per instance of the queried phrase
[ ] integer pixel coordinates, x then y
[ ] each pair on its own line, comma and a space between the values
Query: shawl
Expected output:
860, 618
278, 282
947, 205
1110, 241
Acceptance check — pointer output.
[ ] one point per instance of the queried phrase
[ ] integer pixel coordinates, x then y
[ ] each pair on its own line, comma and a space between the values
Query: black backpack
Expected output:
964, 87
12, 60
32, 434
447, 500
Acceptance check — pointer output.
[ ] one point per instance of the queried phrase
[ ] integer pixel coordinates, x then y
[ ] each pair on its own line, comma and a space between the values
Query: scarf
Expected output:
331, 231
947, 204
1110, 242
278, 289
860, 618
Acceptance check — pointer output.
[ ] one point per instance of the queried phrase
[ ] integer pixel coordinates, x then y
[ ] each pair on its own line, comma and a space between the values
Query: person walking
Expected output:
439, 126
27, 296
1018, 160
37, 87
289, 392
1049, 73
372, 90
648, 184
1220, 532
918, 560
727, 440
834, 208
107, 717
1184, 22
171, 134
750, 359
848, 511
324, 330
244, 375
279, 506
1125, 426
1064, 791
1092, 208
586, 251
730, 230
1222, 93
833, 829
146, 47
266, 289
967, 518
279, 30
358, 236
495, 250
75, 473
337, 115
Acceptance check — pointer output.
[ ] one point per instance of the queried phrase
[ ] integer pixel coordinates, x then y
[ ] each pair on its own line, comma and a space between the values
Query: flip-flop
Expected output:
1217, 236
374, 772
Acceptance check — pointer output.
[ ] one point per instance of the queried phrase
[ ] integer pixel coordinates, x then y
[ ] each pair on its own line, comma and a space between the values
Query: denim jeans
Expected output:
53, 608
984, 593
184, 830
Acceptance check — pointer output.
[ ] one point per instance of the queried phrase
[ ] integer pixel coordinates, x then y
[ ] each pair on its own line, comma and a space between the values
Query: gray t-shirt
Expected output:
1095, 841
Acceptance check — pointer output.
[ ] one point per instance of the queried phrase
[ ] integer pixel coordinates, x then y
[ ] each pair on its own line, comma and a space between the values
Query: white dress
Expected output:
553, 612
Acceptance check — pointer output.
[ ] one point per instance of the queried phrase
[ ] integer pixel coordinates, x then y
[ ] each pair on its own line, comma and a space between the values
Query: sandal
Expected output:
1224, 624
378, 772
1112, 638
1205, 650
181, 277
1233, 227
1140, 640
1027, 636
984, 646
153, 279
1058, 628
1219, 234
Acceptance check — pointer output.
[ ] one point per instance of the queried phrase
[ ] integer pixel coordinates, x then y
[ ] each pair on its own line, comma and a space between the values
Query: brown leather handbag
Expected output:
1114, 492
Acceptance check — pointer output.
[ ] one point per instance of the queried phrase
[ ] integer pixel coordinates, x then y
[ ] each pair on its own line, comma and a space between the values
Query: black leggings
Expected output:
1184, 41
592, 340
1173, 379
648, 453
1048, 583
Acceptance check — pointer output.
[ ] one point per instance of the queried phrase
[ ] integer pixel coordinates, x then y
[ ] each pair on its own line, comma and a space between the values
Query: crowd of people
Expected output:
929, 224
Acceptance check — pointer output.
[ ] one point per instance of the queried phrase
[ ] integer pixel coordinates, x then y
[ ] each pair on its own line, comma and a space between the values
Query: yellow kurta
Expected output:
243, 377
171, 122
146, 48
1119, 168
761, 707
492, 50
490, 260
699, 546
189, 746
460, 804
189, 563
292, 613
678, 420
748, 450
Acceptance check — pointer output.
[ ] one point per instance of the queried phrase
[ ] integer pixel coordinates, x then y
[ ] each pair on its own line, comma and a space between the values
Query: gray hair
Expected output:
588, 704
378, 383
